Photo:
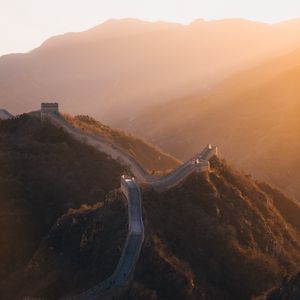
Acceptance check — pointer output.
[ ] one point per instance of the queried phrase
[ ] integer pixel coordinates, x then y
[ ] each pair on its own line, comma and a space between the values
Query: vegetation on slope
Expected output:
44, 173
149, 157
287, 207
289, 290
82, 248
217, 236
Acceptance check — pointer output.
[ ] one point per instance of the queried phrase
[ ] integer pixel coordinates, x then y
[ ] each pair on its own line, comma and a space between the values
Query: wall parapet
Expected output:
4, 114
129, 187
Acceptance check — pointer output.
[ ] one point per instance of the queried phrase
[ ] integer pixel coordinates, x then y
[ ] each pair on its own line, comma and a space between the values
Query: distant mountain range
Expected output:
253, 117
123, 66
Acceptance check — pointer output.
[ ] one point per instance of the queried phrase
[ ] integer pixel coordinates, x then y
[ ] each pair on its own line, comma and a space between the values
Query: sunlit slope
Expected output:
151, 158
120, 67
253, 117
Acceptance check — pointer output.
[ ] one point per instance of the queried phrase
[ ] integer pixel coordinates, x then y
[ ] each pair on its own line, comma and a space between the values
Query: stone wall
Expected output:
4, 114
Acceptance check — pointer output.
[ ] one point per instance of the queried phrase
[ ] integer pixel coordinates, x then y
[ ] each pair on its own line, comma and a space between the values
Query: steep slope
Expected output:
121, 67
146, 154
4, 114
43, 174
253, 117
81, 250
289, 290
215, 236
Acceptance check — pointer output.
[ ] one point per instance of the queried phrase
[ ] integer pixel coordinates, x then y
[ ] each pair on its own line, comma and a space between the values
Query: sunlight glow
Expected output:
26, 24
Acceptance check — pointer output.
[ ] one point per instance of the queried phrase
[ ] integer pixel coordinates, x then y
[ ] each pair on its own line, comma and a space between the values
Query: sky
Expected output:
25, 24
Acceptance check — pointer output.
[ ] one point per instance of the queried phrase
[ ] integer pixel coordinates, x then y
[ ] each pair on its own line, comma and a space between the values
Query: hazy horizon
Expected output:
150, 149
32, 22
140, 20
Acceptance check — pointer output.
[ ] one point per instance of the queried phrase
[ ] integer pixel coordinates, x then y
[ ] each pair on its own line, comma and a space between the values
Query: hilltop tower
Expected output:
48, 108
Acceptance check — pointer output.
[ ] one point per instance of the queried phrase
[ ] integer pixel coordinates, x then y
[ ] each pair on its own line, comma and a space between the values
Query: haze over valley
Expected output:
121, 67
145, 159
253, 116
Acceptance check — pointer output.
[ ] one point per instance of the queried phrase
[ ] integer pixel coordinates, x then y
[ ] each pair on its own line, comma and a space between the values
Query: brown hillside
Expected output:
215, 236
43, 174
151, 158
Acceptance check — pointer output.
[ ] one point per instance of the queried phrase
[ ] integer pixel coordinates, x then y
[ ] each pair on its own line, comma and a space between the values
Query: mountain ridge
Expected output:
149, 156
253, 225
128, 23
123, 75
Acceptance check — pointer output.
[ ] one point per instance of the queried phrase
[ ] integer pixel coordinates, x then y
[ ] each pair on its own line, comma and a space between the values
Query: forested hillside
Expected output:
43, 174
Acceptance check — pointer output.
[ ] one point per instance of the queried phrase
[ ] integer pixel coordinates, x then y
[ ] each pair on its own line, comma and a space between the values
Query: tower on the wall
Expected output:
48, 108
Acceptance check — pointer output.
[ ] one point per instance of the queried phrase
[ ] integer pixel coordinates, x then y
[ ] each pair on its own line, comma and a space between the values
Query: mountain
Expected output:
83, 245
253, 116
224, 241
219, 235
151, 158
43, 174
122, 66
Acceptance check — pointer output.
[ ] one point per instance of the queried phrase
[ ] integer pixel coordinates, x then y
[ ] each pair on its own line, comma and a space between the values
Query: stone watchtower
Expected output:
48, 108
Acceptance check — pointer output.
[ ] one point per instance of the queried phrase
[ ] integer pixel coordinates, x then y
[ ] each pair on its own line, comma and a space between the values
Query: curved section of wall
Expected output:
109, 288
112, 286
199, 162
4, 114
